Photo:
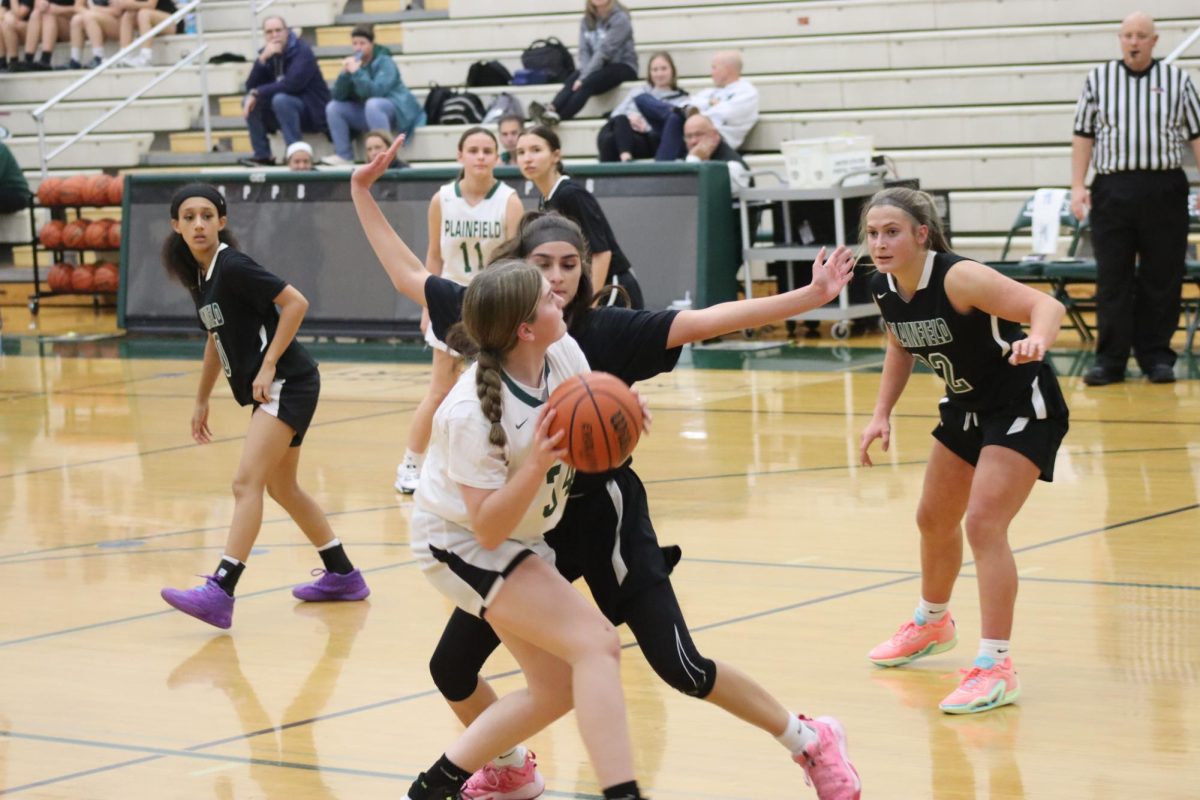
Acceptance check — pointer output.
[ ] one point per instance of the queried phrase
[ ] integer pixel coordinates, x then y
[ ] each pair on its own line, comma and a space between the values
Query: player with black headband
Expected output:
254, 345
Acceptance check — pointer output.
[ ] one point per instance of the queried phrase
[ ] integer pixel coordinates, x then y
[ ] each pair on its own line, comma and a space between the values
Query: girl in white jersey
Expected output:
468, 218
481, 515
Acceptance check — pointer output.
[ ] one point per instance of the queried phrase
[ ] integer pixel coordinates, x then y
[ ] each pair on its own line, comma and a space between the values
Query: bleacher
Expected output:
971, 96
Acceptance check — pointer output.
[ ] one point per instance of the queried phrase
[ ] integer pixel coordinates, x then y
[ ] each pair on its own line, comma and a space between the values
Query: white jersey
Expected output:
460, 453
471, 232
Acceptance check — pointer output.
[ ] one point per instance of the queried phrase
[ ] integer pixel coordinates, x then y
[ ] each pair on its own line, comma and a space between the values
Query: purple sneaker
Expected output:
206, 602
332, 586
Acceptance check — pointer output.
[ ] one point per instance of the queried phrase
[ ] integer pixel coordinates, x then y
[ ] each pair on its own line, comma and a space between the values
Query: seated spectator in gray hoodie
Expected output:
627, 134
607, 58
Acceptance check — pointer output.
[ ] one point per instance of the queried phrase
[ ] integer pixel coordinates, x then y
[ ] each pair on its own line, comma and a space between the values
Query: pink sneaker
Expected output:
985, 686
506, 783
915, 641
826, 765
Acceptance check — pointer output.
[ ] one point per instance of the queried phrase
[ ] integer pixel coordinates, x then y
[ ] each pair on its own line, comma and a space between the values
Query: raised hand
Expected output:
830, 275
366, 175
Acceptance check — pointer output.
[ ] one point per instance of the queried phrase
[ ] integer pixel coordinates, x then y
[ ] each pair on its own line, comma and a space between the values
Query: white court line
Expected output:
1029, 570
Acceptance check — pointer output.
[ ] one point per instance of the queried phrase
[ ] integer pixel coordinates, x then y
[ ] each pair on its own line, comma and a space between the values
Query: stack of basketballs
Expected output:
100, 236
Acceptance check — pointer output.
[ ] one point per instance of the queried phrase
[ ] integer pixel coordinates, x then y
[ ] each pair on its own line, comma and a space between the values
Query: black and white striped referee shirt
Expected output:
1139, 121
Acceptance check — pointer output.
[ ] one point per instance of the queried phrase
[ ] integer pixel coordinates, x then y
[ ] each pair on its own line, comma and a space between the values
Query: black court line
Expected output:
122, 382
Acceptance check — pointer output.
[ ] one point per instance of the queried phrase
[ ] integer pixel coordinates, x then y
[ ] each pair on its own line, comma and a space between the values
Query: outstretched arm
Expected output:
828, 279
406, 271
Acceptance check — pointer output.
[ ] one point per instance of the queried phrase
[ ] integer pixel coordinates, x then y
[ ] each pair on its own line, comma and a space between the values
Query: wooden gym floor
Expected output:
796, 562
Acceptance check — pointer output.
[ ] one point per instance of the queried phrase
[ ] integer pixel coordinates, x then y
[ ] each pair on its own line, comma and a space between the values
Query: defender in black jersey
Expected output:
254, 344
606, 535
1002, 420
540, 159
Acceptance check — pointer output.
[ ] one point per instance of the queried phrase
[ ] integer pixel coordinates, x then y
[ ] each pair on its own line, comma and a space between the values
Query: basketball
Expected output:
602, 420
105, 279
96, 190
83, 277
47, 193
59, 278
114, 236
71, 191
73, 233
96, 235
51, 234
116, 190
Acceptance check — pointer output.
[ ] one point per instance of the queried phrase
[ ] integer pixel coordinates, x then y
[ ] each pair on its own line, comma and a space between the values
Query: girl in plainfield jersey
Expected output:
467, 219
1002, 420
254, 345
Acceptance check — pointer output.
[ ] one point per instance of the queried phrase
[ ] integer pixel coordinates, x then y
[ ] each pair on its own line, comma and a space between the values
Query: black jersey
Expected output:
235, 303
577, 203
968, 351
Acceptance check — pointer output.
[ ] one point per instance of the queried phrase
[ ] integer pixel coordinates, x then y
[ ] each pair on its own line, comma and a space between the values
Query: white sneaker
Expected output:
408, 475
336, 161
138, 60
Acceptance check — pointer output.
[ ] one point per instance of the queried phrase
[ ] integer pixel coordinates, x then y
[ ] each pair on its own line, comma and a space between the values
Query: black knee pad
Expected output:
460, 655
681, 666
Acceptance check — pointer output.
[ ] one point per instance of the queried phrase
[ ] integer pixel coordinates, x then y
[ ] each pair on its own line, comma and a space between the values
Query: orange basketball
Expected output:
96, 235
106, 277
73, 233
114, 236
47, 192
51, 234
116, 190
72, 191
602, 420
83, 277
96, 191
59, 278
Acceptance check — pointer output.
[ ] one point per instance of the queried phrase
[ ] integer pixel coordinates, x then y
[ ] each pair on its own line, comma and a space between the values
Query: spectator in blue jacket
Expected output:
285, 91
369, 93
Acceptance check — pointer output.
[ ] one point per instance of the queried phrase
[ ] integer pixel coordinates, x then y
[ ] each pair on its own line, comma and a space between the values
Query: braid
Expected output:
487, 387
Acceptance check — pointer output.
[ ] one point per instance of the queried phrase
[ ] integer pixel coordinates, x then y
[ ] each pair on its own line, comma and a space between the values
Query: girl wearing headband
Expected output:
254, 345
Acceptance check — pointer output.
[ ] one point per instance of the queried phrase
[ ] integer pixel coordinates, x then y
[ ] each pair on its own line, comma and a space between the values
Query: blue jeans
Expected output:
283, 113
666, 120
346, 117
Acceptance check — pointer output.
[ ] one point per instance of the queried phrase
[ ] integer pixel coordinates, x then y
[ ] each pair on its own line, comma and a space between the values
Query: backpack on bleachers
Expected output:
437, 97
503, 104
488, 73
550, 55
463, 108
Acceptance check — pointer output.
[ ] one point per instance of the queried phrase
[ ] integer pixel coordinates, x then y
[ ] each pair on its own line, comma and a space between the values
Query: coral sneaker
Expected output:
827, 768
206, 602
985, 686
506, 783
915, 641
332, 586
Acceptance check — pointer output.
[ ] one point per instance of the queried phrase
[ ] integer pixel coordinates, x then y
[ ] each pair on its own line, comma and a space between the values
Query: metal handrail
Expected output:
39, 113
1182, 48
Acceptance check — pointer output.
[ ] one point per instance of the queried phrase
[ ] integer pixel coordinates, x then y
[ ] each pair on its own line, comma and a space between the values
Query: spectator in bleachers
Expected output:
100, 19
145, 14
627, 134
509, 127
299, 157
285, 91
369, 93
14, 18
1132, 119
49, 22
607, 58
705, 144
731, 103
378, 141
14, 189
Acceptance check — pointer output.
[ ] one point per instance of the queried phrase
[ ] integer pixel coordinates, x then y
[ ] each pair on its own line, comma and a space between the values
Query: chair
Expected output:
1191, 305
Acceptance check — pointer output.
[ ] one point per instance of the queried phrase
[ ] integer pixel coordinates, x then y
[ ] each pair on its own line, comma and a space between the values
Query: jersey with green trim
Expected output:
969, 352
460, 453
471, 232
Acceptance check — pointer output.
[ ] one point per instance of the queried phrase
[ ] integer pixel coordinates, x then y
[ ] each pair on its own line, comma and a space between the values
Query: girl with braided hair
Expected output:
492, 486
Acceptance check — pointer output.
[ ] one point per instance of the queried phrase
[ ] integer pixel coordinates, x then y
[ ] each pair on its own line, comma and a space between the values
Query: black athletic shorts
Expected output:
294, 401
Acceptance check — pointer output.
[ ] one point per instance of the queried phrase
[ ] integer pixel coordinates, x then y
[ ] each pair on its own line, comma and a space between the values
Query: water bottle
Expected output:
189, 24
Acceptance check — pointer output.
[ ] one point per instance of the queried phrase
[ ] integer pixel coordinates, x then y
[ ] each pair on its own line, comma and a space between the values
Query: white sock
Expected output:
98, 52
995, 649
334, 542
75, 53
513, 758
147, 54
230, 559
928, 612
417, 459
797, 736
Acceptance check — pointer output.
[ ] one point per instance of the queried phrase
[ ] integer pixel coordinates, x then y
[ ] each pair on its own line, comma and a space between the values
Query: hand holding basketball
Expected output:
548, 442
600, 419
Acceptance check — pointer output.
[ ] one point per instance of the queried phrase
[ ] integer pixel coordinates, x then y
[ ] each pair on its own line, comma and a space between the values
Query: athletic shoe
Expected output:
336, 161
206, 602
506, 783
827, 768
915, 641
332, 586
408, 476
985, 686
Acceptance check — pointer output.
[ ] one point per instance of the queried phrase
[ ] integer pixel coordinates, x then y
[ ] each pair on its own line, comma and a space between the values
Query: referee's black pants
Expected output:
1139, 223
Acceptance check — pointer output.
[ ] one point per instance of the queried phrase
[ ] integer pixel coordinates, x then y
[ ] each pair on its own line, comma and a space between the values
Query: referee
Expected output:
1132, 120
